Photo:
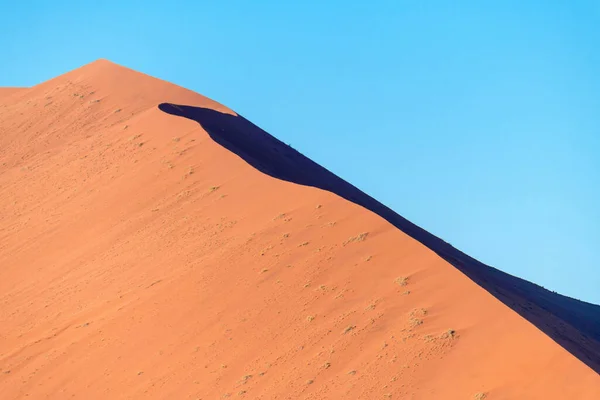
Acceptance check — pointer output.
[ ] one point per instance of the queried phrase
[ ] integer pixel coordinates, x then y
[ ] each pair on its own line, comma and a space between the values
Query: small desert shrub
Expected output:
415, 317
418, 312
402, 280
449, 334
358, 238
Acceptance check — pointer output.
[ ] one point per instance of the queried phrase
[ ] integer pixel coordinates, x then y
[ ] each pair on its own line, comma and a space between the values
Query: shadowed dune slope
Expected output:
148, 256
573, 324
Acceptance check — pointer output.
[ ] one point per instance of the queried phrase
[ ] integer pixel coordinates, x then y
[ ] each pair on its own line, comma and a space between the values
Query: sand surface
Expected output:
141, 260
7, 91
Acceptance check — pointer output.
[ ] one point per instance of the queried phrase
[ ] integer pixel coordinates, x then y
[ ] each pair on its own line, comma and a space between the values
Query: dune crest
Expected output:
142, 258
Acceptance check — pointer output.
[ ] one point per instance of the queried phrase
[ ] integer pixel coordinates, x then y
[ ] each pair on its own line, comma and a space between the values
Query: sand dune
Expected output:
7, 91
140, 258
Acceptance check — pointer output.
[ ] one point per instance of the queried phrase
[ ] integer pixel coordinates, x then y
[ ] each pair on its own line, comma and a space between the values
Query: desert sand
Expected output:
6, 91
140, 259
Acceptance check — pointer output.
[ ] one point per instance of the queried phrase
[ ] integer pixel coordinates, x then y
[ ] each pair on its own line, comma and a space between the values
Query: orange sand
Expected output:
141, 260
7, 91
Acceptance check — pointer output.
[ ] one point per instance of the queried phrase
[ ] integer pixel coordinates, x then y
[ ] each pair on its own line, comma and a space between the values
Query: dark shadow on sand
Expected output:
573, 324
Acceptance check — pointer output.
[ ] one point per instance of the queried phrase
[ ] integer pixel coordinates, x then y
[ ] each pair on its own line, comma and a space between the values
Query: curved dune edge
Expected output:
573, 324
140, 259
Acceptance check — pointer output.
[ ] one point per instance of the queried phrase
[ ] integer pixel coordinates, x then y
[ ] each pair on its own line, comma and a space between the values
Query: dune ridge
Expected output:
139, 258
572, 323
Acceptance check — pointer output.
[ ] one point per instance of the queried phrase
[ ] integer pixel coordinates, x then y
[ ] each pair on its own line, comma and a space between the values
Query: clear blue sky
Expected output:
481, 123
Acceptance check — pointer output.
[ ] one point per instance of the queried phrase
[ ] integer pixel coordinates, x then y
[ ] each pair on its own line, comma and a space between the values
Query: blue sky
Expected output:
480, 123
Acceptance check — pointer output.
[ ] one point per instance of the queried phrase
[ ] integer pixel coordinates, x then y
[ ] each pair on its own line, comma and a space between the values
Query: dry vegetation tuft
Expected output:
358, 238
449, 334
416, 317
348, 329
402, 280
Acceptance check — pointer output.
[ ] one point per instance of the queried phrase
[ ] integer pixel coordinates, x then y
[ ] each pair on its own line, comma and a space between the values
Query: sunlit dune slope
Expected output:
140, 259
6, 91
